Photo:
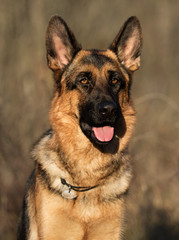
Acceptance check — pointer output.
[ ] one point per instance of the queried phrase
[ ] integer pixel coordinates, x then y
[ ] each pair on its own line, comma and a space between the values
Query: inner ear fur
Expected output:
61, 43
128, 44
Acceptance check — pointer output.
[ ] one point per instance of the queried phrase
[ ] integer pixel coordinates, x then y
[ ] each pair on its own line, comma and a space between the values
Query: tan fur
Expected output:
87, 219
53, 210
94, 214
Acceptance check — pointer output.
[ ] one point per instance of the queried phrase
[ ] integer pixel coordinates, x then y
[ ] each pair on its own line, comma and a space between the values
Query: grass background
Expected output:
26, 88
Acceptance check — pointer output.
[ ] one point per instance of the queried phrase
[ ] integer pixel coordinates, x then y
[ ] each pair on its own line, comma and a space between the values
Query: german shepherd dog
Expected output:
82, 172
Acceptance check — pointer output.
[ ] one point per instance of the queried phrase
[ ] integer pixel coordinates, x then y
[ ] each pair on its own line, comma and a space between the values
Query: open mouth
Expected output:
101, 135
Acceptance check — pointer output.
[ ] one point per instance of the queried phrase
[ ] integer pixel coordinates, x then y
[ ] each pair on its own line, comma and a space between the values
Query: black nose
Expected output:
107, 108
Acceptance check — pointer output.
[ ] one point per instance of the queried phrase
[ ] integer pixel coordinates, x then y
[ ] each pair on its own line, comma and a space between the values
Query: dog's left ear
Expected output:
128, 44
60, 43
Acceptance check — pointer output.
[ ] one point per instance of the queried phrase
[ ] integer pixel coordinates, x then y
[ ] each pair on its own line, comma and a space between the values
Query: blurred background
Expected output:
26, 89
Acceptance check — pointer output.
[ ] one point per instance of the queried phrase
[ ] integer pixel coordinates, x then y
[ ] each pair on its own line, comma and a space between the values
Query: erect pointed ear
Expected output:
60, 43
128, 43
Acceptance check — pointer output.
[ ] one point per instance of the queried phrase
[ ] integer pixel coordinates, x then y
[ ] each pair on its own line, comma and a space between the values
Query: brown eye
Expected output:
84, 81
114, 81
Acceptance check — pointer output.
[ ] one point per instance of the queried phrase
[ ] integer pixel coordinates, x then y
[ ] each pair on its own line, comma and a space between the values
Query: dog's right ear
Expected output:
128, 44
60, 43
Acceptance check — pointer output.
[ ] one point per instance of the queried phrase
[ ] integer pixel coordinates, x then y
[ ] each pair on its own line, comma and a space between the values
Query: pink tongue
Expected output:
103, 134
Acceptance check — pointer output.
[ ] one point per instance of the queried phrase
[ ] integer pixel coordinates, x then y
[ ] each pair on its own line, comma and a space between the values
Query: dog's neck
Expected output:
51, 168
75, 171
92, 167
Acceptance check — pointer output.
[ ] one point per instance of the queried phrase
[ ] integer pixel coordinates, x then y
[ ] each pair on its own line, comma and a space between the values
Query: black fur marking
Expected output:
49, 133
116, 197
23, 226
23, 229
45, 179
77, 83
124, 194
70, 85
98, 60
43, 175
90, 118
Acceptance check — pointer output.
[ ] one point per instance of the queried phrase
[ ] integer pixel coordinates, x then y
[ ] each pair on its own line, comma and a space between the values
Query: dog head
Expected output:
93, 86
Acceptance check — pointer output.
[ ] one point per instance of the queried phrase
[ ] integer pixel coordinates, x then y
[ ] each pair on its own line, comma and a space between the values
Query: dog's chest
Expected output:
73, 216
84, 208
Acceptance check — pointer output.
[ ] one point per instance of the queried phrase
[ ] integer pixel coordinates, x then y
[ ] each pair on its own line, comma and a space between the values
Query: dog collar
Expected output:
70, 192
